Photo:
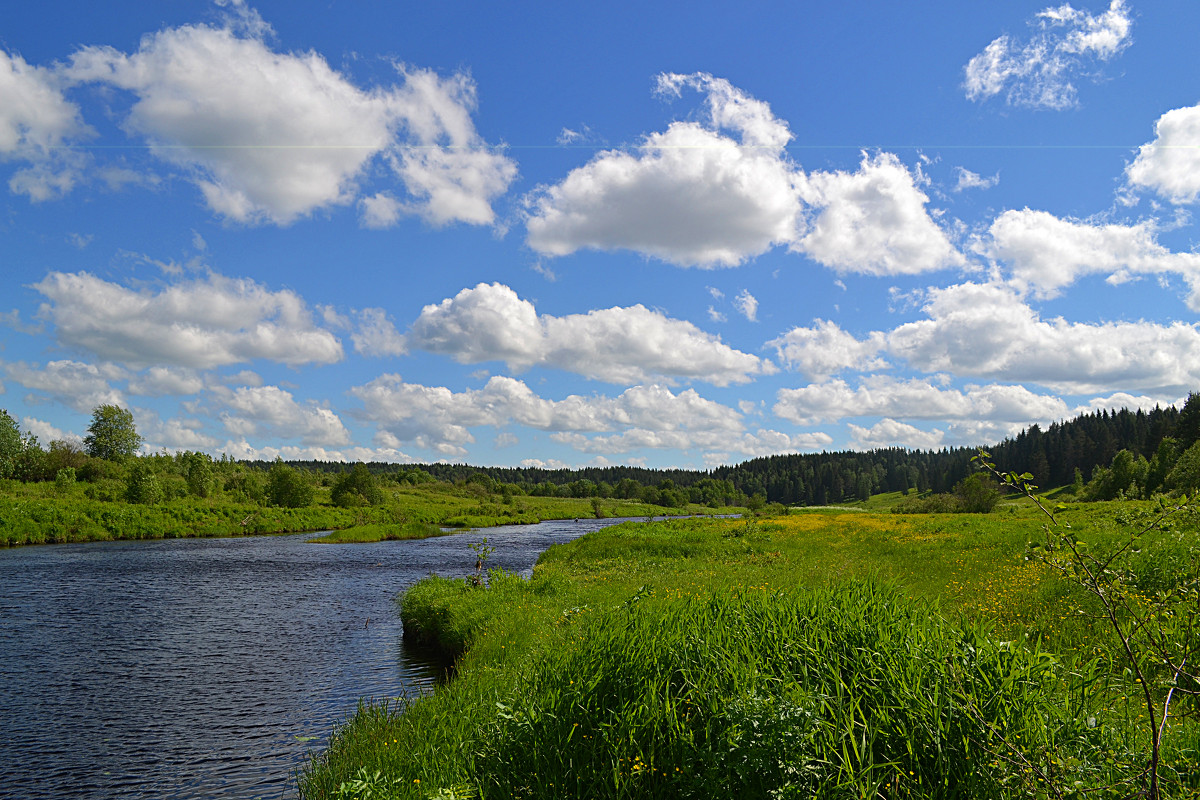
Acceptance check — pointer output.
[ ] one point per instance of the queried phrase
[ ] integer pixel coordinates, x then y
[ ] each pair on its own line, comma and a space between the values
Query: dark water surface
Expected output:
207, 668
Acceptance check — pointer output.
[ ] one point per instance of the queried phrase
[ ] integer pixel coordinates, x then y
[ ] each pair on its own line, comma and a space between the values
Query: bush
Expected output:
142, 485
357, 487
288, 488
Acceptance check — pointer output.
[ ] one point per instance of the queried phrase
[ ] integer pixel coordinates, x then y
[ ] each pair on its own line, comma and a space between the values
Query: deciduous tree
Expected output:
112, 434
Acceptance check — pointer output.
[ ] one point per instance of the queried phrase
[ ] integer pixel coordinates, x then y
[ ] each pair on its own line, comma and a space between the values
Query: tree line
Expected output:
1101, 455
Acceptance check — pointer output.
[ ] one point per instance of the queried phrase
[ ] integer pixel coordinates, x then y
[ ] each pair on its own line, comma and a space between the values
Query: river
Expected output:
208, 668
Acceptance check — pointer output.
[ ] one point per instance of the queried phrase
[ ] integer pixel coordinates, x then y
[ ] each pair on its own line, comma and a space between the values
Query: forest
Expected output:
1098, 456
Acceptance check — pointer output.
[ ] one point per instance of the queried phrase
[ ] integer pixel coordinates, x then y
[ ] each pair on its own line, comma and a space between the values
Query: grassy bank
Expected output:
381, 532
44, 514
828, 654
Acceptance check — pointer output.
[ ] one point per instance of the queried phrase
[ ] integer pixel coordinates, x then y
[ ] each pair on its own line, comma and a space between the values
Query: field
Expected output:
820, 653
41, 513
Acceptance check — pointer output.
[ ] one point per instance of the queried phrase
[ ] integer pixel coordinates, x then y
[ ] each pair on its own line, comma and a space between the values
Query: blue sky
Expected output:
563, 235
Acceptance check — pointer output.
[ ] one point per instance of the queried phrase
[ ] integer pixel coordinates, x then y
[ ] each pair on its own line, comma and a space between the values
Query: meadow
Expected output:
43, 513
821, 653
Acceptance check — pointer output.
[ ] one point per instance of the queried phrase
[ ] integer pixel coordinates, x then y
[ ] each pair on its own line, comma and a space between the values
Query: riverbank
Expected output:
830, 654
47, 517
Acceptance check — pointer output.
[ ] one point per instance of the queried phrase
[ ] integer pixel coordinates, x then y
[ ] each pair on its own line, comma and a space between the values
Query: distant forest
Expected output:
1080, 451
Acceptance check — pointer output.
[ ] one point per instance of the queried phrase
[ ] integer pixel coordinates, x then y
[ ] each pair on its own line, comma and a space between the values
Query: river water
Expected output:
208, 668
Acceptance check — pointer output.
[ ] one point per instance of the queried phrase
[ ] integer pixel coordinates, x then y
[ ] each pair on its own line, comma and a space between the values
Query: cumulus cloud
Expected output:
1119, 400
988, 331
177, 433
890, 433
885, 396
36, 119
973, 180
377, 336
208, 322
1045, 253
72, 383
434, 417
270, 410
618, 345
873, 221
271, 137
747, 445
242, 449
1039, 72
825, 349
1170, 165
160, 381
690, 195
46, 433
719, 190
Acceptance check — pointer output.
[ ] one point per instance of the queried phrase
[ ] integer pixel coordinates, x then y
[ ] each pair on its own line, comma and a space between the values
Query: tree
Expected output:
198, 472
1185, 475
358, 487
977, 494
141, 484
286, 487
10, 445
112, 434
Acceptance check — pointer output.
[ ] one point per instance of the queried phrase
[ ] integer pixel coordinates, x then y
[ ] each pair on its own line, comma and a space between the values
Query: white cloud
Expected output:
436, 418
202, 323
1170, 165
376, 335
825, 349
271, 410
749, 445
885, 396
176, 434
76, 385
618, 345
987, 331
380, 210
445, 164
695, 196
747, 305
538, 463
873, 221
242, 449
890, 433
35, 121
243, 378
1120, 400
270, 136
47, 433
1038, 73
972, 180
690, 196
159, 381
1046, 253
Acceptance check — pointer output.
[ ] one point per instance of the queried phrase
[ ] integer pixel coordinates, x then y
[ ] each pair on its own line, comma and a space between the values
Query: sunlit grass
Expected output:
539, 707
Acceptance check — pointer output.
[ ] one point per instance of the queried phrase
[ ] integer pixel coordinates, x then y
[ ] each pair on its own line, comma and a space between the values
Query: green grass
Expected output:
829, 654
41, 514
380, 532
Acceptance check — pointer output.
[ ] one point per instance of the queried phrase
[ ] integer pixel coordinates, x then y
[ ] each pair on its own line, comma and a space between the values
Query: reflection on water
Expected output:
208, 668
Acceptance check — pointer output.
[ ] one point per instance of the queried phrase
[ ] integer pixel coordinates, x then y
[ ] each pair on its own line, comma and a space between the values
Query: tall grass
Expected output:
819, 654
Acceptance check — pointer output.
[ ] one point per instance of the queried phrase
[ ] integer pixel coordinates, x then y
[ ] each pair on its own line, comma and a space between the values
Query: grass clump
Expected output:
381, 532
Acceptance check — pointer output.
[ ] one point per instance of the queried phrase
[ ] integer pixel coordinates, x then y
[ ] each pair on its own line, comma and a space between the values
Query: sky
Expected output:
565, 235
